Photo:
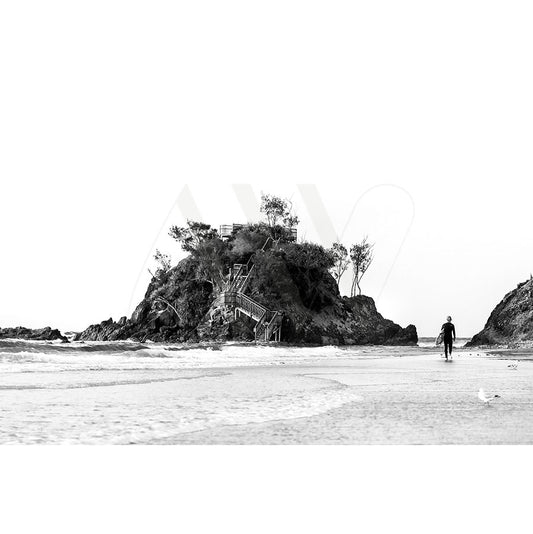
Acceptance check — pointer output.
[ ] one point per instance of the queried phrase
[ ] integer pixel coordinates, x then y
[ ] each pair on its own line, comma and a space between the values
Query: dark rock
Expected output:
371, 327
511, 322
155, 318
290, 279
42, 334
314, 311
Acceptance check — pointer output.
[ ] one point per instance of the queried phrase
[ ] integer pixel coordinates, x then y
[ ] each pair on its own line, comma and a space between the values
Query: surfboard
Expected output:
440, 339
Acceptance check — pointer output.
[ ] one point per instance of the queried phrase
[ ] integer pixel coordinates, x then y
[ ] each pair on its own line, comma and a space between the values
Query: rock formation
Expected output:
289, 278
42, 334
511, 322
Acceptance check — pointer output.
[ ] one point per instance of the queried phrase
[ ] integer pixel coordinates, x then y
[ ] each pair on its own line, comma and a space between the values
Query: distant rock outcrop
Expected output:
42, 334
511, 322
287, 278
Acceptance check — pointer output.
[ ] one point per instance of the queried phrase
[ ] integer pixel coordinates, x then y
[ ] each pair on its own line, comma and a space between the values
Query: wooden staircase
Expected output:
268, 322
269, 325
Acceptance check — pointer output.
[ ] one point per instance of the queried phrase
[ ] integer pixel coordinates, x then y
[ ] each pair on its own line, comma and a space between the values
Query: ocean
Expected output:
130, 393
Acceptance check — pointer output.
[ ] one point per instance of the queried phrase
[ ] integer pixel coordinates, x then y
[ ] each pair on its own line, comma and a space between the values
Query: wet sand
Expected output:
263, 395
408, 400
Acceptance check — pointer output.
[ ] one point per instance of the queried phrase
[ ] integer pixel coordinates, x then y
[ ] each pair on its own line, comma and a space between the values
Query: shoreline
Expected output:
261, 395
220, 345
60, 339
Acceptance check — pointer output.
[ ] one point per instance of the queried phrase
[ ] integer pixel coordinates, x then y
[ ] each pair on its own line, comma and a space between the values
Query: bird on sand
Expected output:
514, 365
481, 395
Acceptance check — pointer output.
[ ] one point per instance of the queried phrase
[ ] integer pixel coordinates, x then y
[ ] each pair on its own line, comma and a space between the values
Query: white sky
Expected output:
107, 110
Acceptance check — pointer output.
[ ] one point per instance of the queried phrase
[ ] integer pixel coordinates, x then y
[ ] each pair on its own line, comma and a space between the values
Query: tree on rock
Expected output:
191, 236
341, 258
279, 215
163, 262
206, 248
361, 256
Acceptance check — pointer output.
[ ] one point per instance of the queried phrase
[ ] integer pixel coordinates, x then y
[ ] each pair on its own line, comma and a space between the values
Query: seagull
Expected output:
483, 397
514, 365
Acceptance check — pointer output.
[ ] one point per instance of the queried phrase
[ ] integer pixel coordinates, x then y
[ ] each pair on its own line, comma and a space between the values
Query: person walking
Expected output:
448, 335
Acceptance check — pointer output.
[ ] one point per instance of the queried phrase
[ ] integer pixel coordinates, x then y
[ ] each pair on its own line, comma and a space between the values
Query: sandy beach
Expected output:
119, 394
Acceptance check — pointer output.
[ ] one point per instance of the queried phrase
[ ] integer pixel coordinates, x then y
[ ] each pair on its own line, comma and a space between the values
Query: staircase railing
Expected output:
259, 327
273, 325
240, 280
268, 325
266, 244
236, 278
267, 321
250, 306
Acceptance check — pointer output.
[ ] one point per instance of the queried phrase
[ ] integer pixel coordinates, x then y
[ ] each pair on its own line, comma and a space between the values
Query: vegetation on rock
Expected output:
362, 256
341, 261
292, 278
278, 212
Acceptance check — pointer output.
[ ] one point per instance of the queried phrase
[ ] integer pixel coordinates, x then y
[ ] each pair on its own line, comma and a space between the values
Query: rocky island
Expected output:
511, 322
250, 282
